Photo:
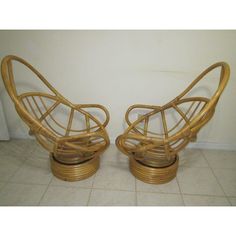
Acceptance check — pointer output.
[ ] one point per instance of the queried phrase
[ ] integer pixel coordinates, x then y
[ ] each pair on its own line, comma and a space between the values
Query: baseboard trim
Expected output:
22, 136
211, 145
204, 145
199, 145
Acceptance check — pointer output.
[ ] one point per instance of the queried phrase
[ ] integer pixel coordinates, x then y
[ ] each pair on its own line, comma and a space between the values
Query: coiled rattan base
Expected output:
153, 175
74, 172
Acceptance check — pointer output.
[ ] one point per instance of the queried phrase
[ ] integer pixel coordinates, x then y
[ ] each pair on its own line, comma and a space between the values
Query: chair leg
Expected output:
74, 172
153, 175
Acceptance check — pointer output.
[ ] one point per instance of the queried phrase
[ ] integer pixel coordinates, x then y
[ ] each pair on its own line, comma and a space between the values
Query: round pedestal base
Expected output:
153, 175
74, 172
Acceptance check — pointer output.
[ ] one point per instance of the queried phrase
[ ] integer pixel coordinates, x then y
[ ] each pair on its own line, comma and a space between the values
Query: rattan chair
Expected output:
74, 152
154, 155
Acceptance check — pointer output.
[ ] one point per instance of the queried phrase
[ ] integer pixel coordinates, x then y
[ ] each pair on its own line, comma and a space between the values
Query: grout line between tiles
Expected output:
231, 204
90, 193
113, 189
216, 177
204, 195
223, 168
69, 186
23, 183
45, 191
189, 194
180, 191
136, 193
21, 165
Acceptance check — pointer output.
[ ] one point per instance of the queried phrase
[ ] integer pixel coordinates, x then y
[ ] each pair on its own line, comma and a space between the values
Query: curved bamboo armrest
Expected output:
68, 140
38, 97
146, 143
97, 106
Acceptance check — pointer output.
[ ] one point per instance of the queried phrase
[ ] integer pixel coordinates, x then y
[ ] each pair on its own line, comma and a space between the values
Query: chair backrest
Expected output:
207, 111
9, 82
8, 76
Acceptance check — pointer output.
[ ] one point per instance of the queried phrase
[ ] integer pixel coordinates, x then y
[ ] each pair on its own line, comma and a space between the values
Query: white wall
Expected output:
120, 68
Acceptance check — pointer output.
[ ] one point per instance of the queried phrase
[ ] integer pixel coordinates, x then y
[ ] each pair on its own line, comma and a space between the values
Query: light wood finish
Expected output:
69, 146
74, 172
149, 149
153, 175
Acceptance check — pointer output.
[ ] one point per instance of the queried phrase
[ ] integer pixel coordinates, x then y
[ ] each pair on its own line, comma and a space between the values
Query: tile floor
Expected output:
205, 178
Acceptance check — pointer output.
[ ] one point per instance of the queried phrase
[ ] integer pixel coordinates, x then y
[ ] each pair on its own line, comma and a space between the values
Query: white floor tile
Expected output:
40, 152
159, 199
171, 187
221, 159
111, 198
192, 158
198, 181
87, 183
197, 200
21, 194
17, 147
227, 179
1, 185
35, 171
8, 166
232, 201
63, 196
25, 174
116, 177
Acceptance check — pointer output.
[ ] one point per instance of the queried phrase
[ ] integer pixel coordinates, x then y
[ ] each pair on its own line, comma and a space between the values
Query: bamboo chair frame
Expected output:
74, 153
154, 157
